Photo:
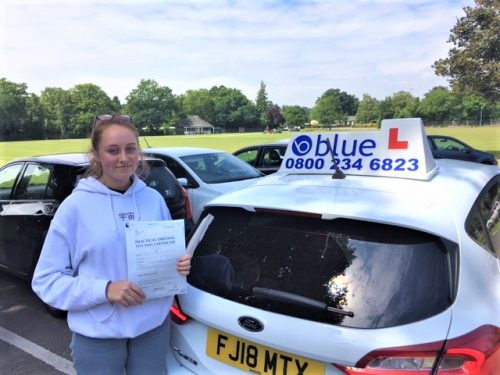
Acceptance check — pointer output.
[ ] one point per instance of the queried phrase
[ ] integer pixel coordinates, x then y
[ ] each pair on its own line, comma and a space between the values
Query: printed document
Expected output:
153, 249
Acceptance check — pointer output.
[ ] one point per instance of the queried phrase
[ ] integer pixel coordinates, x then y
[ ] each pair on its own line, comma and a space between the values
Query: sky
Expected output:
298, 48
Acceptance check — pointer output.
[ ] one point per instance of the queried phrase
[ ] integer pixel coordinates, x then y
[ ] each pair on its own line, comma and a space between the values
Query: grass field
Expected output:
485, 138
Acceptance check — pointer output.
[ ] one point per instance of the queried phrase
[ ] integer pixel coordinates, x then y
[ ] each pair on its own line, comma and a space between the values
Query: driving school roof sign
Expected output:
399, 149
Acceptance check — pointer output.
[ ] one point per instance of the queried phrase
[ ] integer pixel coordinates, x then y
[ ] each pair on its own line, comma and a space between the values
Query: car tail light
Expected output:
176, 313
189, 206
476, 353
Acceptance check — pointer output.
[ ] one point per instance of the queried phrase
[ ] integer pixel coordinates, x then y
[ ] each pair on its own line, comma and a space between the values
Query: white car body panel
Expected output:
324, 342
402, 202
438, 206
200, 197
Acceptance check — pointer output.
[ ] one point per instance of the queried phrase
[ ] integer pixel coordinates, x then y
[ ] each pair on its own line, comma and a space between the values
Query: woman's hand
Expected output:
125, 293
184, 265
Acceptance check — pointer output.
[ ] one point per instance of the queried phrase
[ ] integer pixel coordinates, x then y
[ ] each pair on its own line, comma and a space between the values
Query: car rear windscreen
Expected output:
344, 272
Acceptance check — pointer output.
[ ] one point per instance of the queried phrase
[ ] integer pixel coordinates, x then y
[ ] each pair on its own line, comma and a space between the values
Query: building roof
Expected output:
195, 122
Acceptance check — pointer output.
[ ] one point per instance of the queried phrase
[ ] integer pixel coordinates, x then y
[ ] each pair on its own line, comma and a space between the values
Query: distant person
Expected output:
83, 264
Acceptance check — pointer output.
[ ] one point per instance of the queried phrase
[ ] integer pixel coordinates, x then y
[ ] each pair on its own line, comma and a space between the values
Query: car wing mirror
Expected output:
188, 183
183, 181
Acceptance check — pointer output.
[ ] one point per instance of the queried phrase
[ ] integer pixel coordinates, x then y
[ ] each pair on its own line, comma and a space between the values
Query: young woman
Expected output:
83, 265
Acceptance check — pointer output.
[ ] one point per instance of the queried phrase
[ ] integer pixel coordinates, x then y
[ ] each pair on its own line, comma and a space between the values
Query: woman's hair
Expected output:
101, 123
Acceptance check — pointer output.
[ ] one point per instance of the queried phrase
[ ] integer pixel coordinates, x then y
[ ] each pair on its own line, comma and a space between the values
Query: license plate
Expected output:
256, 358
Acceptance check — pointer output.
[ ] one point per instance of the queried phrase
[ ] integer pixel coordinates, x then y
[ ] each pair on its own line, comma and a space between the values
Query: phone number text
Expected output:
346, 164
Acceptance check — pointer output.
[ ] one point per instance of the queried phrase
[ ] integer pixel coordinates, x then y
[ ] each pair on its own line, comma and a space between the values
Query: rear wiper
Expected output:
279, 295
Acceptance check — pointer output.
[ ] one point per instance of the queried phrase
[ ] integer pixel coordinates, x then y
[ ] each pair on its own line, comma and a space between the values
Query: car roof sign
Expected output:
399, 149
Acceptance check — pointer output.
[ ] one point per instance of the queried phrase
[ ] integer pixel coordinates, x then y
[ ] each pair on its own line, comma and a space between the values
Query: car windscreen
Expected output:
343, 272
220, 167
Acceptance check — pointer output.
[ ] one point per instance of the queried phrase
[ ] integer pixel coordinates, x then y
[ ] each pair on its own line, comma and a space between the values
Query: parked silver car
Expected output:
205, 173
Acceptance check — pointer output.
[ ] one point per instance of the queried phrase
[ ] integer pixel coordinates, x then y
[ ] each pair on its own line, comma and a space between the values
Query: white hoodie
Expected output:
85, 248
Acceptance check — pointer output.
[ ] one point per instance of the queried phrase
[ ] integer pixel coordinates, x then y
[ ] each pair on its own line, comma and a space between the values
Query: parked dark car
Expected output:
445, 147
265, 157
31, 190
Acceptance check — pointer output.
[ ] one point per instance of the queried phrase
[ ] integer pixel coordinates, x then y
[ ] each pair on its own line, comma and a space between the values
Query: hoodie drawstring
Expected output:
113, 212
136, 208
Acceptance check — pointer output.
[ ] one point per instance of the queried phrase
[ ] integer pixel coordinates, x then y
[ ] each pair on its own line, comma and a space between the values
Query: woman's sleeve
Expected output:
55, 280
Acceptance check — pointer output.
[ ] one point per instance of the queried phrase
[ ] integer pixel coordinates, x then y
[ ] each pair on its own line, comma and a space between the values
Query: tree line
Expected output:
472, 68
59, 113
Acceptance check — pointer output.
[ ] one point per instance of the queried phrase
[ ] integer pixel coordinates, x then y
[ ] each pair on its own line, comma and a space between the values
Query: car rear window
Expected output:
343, 272
158, 177
483, 222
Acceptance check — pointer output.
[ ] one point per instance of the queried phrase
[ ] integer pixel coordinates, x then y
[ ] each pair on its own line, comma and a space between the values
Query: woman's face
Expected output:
118, 153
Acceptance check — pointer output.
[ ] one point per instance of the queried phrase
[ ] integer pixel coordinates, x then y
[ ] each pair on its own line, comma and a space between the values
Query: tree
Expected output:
472, 107
117, 106
177, 116
367, 110
439, 104
275, 117
295, 115
348, 103
151, 106
233, 109
199, 102
385, 109
473, 64
86, 101
36, 117
263, 104
405, 105
246, 116
328, 110
334, 106
57, 110
13, 115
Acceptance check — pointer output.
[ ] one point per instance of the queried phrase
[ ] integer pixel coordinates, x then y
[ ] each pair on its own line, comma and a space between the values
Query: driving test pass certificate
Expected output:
153, 249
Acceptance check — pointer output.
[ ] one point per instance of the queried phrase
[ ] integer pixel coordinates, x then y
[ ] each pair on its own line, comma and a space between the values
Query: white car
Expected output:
361, 255
206, 173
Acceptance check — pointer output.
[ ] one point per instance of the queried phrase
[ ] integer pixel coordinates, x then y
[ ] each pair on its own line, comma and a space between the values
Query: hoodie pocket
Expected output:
101, 312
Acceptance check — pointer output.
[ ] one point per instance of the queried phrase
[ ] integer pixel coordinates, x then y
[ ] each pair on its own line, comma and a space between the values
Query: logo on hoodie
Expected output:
126, 216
